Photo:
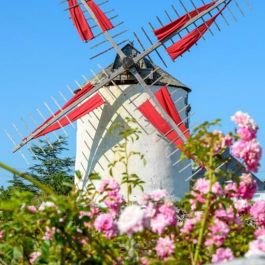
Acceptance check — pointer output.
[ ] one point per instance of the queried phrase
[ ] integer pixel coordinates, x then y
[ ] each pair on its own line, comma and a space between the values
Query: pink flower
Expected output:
150, 210
131, 220
50, 232
260, 232
227, 141
2, 235
158, 224
113, 200
144, 261
202, 185
94, 211
242, 206
109, 185
104, 223
227, 215
218, 233
247, 187
257, 211
256, 248
32, 209
169, 212
222, 255
243, 120
189, 224
84, 214
158, 195
249, 151
231, 190
164, 247
246, 134
34, 256
165, 216
217, 189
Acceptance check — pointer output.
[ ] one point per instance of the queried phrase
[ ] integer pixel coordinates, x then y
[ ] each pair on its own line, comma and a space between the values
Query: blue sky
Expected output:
40, 53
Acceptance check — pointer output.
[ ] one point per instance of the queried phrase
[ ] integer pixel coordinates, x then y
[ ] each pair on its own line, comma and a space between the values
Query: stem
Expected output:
25, 176
206, 212
127, 169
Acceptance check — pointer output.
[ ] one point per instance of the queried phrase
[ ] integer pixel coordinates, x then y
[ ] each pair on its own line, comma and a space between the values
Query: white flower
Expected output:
131, 220
45, 205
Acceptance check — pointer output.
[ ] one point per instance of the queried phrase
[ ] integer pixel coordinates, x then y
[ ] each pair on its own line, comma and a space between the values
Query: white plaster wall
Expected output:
94, 143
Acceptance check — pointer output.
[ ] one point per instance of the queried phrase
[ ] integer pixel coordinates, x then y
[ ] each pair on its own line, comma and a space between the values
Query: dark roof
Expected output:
145, 67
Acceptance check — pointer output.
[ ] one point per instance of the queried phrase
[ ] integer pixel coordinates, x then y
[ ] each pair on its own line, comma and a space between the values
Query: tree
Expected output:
50, 168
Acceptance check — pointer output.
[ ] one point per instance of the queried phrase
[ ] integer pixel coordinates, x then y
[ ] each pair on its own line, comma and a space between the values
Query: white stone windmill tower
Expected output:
124, 96
133, 86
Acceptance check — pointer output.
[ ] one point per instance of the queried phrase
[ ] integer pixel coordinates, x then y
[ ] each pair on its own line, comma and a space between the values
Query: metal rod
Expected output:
104, 41
115, 26
186, 167
21, 136
58, 106
107, 50
231, 13
36, 124
20, 152
204, 21
99, 4
184, 7
210, 13
160, 22
171, 20
29, 131
162, 60
44, 119
239, 8
142, 46
51, 112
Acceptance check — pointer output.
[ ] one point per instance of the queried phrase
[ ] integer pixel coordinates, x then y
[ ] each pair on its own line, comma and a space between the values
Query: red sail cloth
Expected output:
104, 22
187, 42
78, 95
165, 32
80, 21
83, 109
156, 119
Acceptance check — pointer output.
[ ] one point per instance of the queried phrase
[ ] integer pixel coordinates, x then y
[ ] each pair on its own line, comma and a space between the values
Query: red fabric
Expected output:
83, 109
188, 41
174, 26
104, 22
80, 21
166, 102
78, 95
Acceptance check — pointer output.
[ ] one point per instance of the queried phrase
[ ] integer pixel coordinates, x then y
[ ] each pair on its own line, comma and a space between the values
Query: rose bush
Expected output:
217, 221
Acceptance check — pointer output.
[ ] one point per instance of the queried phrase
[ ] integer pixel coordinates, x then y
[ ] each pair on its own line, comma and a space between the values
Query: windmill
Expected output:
133, 86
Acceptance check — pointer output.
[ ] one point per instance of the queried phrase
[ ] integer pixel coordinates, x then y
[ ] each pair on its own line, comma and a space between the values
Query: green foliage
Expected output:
58, 229
129, 134
50, 168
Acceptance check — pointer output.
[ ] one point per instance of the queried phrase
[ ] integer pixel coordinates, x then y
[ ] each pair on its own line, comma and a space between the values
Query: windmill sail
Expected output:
157, 120
80, 21
129, 63
190, 39
89, 105
104, 22
167, 30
